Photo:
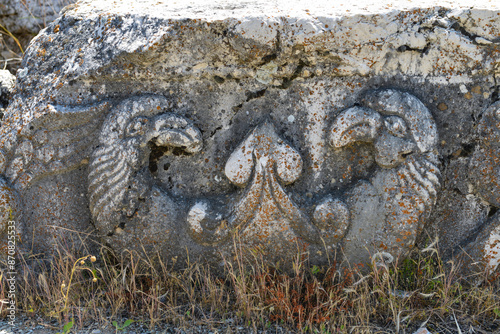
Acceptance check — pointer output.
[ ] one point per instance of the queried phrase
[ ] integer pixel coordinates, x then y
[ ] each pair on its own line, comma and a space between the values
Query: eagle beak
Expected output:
355, 124
174, 131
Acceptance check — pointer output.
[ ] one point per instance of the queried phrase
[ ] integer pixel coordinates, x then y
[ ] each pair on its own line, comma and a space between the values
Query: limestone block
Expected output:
337, 131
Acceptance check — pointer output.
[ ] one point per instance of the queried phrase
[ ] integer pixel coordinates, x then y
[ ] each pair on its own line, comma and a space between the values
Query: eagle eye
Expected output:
396, 126
137, 126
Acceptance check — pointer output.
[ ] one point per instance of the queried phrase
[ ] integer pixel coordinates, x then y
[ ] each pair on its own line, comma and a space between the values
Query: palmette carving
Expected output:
263, 162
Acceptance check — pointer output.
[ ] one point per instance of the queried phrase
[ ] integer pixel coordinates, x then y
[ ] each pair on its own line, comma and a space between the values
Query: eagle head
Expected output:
397, 124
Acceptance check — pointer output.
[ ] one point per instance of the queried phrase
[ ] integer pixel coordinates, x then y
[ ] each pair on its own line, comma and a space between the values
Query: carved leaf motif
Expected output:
266, 156
263, 147
263, 162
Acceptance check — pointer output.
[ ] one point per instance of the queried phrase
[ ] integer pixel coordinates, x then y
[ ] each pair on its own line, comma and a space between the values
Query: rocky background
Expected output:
20, 21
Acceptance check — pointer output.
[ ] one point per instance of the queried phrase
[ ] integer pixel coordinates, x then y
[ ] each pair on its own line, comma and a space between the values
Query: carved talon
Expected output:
332, 218
206, 227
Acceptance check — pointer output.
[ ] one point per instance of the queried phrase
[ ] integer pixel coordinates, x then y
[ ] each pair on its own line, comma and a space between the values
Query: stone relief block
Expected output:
201, 131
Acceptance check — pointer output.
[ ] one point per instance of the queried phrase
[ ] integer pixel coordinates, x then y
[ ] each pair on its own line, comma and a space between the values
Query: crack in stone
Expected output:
215, 130
406, 48
287, 81
249, 96
472, 37
495, 95
268, 58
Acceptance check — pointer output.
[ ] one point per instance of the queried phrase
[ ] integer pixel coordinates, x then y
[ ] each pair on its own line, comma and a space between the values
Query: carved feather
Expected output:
56, 142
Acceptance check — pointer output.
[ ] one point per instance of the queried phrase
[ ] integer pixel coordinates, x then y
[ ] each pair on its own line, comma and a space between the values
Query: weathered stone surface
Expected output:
482, 248
353, 131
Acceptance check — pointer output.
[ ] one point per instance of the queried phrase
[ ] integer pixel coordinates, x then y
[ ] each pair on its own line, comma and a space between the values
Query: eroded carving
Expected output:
485, 162
483, 252
52, 144
383, 214
366, 189
262, 163
388, 211
10, 213
58, 142
118, 179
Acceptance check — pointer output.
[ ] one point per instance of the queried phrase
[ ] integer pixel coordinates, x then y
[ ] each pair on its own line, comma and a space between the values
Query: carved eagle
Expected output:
387, 211
118, 175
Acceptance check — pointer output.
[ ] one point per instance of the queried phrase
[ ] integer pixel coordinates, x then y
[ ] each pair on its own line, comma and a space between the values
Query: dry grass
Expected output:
389, 298
11, 50
14, 43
